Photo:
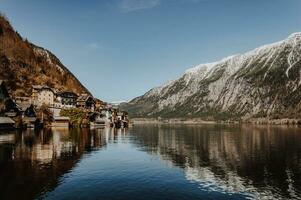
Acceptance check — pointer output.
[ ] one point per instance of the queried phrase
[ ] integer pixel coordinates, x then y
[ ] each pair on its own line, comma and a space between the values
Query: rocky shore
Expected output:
261, 121
285, 121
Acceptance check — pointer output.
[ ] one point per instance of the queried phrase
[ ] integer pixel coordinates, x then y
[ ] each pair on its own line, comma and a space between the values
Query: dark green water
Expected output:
152, 162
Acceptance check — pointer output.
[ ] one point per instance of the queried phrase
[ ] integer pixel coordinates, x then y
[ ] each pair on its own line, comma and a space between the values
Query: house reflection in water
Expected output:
32, 162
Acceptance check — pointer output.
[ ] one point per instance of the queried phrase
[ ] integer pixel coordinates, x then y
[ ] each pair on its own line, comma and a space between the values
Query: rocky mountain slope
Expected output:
264, 82
23, 64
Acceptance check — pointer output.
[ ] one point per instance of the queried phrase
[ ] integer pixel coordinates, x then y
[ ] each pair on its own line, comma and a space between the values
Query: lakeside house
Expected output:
99, 121
114, 117
6, 123
85, 101
27, 111
61, 122
66, 99
122, 119
99, 105
42, 95
121, 115
30, 119
30, 122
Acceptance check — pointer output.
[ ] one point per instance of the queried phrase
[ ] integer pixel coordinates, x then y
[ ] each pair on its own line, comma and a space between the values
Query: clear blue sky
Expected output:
119, 49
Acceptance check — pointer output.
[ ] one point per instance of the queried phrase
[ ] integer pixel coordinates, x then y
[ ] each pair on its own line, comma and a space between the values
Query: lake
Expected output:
152, 162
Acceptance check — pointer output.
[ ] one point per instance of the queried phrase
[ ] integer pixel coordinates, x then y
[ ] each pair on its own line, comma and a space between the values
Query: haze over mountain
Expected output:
23, 64
264, 82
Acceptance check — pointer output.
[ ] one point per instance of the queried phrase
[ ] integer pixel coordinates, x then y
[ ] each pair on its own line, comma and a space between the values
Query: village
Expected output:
47, 107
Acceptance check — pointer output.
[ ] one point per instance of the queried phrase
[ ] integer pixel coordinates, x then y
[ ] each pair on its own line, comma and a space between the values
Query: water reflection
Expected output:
258, 162
32, 162
263, 162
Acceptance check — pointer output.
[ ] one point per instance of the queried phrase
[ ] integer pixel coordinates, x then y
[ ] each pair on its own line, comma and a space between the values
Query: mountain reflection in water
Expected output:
215, 161
264, 162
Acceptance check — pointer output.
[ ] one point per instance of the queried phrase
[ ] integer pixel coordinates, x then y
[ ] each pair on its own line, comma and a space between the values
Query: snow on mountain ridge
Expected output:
205, 70
235, 62
264, 82
208, 66
263, 49
294, 35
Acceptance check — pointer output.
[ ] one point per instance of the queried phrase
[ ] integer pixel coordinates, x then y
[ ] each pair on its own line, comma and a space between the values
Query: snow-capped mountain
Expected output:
264, 82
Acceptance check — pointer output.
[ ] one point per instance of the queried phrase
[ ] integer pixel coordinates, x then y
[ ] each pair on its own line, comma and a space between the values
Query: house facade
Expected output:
66, 99
60, 122
42, 95
85, 101
99, 105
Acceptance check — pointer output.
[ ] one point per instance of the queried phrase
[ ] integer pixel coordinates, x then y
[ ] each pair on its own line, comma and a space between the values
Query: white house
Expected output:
42, 95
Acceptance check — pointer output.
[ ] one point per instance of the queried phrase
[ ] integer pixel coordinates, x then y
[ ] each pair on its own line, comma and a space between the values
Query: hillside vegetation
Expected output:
23, 64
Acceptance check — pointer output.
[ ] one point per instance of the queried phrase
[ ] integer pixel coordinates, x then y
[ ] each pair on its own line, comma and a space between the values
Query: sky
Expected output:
119, 49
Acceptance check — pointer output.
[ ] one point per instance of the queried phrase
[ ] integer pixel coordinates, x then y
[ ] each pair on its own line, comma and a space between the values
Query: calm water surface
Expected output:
152, 162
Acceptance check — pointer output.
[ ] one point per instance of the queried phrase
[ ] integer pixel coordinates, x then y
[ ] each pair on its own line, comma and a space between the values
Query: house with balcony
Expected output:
66, 99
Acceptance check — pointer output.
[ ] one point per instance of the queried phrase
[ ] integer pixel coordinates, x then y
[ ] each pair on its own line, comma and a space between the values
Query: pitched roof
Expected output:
6, 120
23, 106
40, 87
29, 119
83, 97
62, 93
11, 114
98, 101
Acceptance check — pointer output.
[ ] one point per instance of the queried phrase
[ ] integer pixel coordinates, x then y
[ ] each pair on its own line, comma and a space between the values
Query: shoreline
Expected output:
259, 121
171, 121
